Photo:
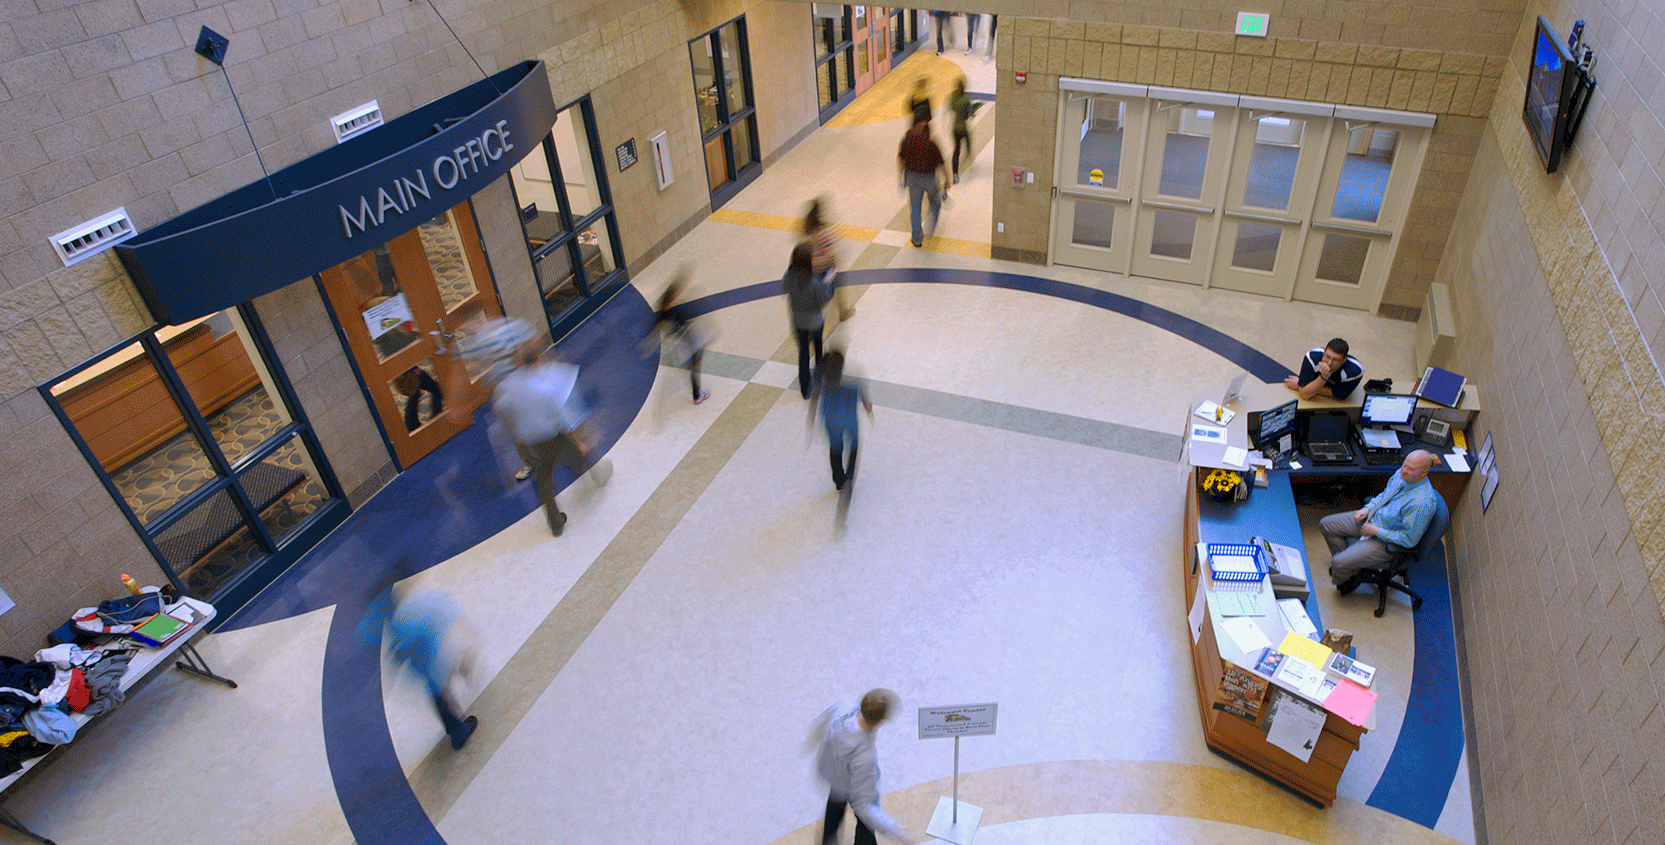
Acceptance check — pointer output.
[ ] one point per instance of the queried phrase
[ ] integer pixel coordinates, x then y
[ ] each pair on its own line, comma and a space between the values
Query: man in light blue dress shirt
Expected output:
1399, 515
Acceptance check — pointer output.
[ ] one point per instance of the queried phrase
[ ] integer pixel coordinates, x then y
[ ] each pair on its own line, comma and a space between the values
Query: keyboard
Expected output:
1380, 459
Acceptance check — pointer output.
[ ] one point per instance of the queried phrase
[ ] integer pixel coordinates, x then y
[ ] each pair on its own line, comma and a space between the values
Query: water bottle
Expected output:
128, 582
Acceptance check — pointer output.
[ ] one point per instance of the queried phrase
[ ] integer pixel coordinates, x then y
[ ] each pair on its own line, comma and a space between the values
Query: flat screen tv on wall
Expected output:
1557, 91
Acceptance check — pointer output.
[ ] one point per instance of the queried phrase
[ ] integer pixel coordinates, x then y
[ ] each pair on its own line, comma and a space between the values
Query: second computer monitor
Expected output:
1274, 424
1387, 409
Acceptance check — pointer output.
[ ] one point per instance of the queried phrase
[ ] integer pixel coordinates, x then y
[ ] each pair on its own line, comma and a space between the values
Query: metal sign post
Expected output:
955, 821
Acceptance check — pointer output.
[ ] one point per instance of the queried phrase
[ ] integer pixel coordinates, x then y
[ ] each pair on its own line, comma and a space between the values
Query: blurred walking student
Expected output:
674, 325
807, 299
422, 632
539, 402
920, 161
837, 397
823, 258
971, 19
960, 105
920, 99
847, 758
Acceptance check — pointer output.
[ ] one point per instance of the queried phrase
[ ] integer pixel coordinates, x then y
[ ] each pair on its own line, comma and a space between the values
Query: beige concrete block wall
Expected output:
1555, 280
104, 104
1458, 88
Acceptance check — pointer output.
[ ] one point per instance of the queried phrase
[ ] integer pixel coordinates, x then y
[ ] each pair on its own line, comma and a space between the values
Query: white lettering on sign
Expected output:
450, 170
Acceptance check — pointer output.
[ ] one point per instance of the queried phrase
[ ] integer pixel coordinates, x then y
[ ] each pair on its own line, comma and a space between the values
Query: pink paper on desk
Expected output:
1350, 701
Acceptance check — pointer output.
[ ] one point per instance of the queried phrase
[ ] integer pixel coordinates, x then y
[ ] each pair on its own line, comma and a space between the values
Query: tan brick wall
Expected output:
104, 104
1555, 279
1458, 88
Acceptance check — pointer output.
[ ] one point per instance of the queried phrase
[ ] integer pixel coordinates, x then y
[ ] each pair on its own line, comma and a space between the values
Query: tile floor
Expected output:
649, 677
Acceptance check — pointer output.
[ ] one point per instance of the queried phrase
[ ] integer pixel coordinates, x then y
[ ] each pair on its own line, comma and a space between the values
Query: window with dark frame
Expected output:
834, 73
727, 112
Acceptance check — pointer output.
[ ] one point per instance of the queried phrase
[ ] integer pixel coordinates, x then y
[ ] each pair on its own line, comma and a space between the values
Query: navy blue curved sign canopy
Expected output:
341, 202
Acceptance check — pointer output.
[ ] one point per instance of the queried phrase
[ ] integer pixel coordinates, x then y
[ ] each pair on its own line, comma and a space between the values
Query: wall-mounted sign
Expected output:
341, 202
1021, 76
388, 315
1252, 23
626, 153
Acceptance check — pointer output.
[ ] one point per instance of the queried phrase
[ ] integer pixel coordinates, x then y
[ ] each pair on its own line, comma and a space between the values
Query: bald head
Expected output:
1416, 465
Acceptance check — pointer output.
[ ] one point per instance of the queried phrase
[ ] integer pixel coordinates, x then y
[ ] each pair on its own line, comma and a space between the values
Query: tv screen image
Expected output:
1557, 92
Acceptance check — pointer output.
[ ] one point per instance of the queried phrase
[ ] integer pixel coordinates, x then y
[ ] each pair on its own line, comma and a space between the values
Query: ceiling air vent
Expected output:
93, 236
356, 122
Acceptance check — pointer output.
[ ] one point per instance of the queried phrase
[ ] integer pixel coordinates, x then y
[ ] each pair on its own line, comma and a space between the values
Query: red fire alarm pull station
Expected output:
1021, 76
1017, 176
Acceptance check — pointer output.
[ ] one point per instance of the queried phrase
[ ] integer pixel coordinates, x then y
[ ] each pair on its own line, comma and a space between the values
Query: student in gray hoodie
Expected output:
848, 761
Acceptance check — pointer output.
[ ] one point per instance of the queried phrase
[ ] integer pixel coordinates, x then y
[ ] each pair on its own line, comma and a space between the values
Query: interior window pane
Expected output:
744, 153
826, 21
382, 304
823, 83
443, 246
862, 59
210, 545
555, 278
1185, 151
1364, 174
705, 83
123, 411
1272, 164
286, 488
572, 150
1173, 233
716, 162
536, 189
596, 250
1101, 142
1342, 259
1094, 224
734, 69
842, 74
418, 394
1257, 246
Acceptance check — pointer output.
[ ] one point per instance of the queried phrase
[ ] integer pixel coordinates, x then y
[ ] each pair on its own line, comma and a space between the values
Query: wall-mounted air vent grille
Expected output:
93, 236
356, 122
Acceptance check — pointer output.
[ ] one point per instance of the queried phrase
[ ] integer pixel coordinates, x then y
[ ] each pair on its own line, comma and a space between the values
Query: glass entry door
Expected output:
398, 307
1269, 193
1275, 197
1093, 214
1184, 164
1367, 179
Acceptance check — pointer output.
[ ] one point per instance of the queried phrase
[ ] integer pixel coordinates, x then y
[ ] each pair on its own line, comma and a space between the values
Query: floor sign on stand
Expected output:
955, 821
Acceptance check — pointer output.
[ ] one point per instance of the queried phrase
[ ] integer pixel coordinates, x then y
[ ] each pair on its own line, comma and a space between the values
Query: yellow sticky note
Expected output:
1296, 645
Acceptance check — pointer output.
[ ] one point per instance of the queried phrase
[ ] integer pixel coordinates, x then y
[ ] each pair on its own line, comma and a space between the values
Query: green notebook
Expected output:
159, 629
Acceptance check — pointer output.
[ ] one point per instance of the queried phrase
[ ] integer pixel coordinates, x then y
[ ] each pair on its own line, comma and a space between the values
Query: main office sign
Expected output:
341, 202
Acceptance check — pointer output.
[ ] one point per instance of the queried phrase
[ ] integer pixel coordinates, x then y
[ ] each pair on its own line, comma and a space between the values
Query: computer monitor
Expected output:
1272, 425
1383, 409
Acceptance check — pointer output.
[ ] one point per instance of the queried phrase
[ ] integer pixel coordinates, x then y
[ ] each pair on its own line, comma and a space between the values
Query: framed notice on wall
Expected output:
1487, 467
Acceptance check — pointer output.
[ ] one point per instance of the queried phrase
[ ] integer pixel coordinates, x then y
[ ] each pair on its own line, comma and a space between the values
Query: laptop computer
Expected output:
1327, 439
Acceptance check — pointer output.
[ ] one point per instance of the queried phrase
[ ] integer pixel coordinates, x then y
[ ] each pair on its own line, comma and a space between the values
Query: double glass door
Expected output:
1275, 197
399, 306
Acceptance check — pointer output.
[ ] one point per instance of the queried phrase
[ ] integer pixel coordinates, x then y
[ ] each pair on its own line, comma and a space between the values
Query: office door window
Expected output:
728, 118
199, 441
567, 211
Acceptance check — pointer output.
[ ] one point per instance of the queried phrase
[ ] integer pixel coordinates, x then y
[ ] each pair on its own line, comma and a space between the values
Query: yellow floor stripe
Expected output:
757, 220
955, 246
888, 98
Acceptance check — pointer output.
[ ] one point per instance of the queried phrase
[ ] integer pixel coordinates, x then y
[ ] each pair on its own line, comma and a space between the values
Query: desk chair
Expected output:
1382, 577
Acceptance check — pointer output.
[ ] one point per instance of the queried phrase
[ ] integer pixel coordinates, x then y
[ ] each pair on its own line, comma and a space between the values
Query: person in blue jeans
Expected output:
837, 398
924, 173
420, 627
939, 20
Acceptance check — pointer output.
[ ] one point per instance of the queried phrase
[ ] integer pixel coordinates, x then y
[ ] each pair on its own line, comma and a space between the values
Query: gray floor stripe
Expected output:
1127, 439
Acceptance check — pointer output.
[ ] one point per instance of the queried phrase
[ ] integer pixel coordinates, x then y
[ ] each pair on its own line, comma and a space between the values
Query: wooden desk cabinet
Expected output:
1235, 736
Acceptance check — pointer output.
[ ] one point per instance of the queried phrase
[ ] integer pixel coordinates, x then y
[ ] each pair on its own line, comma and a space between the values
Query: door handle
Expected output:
439, 336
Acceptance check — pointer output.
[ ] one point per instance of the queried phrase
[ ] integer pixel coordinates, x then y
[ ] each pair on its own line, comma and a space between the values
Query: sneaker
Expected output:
956, 178
470, 723
524, 472
602, 472
704, 395
968, 51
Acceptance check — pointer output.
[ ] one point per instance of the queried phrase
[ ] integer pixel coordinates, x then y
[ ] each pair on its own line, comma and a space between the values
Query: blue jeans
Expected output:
922, 185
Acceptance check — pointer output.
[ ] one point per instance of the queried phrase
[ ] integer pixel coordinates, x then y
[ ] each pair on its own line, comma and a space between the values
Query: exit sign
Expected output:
1251, 23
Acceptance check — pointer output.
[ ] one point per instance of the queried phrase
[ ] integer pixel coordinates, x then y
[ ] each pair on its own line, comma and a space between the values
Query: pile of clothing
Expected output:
36, 698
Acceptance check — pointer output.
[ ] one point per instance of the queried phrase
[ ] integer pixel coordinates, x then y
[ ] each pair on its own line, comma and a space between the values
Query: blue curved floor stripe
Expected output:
1424, 763
445, 504
1258, 364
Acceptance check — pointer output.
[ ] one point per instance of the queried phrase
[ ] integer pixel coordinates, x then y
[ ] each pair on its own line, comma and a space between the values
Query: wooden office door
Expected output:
861, 38
399, 306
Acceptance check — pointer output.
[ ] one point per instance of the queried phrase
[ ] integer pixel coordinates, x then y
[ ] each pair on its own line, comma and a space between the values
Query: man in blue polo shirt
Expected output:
1398, 515
1328, 371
